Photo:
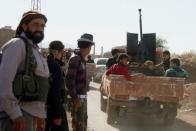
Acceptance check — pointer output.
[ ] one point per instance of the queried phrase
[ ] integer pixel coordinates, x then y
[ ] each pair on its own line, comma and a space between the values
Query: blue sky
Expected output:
109, 20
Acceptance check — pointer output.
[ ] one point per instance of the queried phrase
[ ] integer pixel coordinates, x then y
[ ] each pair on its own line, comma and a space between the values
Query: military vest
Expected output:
27, 86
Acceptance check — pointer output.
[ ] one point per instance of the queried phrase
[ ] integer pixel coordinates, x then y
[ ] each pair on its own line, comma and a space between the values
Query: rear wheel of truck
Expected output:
111, 113
170, 117
169, 121
103, 103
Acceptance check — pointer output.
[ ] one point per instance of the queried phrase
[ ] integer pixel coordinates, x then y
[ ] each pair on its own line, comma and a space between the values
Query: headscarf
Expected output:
27, 17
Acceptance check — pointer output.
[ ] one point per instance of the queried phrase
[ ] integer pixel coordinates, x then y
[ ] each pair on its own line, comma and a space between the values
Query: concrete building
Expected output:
6, 33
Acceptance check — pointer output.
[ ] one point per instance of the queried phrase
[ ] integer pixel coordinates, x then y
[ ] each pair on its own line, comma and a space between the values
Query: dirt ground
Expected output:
189, 103
186, 119
191, 72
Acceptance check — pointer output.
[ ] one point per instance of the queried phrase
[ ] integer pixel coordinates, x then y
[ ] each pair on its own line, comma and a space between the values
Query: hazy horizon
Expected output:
109, 21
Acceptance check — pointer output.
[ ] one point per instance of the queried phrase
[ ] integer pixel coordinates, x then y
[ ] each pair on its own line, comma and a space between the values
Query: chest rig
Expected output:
27, 86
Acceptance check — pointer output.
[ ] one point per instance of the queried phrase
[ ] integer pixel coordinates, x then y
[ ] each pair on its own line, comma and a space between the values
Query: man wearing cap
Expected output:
113, 60
56, 116
76, 81
24, 77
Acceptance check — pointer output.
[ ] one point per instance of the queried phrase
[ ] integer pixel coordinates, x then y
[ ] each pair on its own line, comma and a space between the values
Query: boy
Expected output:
175, 70
121, 67
77, 84
166, 60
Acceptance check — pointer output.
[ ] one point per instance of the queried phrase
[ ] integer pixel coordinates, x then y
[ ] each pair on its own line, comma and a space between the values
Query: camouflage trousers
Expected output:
79, 117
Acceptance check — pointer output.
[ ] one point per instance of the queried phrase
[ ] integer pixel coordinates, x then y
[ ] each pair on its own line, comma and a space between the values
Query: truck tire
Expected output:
170, 117
168, 121
111, 113
103, 103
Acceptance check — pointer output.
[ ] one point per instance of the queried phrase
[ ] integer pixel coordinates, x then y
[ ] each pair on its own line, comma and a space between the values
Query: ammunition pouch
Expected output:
30, 88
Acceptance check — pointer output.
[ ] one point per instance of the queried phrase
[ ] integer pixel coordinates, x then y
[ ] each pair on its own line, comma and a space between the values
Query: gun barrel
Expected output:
140, 21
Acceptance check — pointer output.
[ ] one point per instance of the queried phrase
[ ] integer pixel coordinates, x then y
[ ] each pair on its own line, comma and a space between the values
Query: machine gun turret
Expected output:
142, 50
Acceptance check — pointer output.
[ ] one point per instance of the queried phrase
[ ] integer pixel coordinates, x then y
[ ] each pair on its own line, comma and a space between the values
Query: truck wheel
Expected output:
103, 103
170, 117
168, 121
111, 113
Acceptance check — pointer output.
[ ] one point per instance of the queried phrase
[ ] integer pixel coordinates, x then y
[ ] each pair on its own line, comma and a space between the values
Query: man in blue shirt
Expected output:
175, 70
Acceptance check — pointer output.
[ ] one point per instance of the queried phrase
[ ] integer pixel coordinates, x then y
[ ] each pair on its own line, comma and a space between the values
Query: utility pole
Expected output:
101, 51
36, 5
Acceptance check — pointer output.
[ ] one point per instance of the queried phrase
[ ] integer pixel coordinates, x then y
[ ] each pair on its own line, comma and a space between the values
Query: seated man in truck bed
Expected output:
175, 70
113, 60
149, 69
121, 67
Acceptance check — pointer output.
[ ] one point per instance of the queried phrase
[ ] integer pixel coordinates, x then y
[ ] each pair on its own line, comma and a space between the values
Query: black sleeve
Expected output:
54, 96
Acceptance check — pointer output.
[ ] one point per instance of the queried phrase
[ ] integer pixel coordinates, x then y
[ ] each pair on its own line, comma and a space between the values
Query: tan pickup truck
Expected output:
157, 96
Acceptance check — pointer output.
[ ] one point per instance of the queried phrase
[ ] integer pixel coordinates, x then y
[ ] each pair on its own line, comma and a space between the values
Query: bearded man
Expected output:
24, 77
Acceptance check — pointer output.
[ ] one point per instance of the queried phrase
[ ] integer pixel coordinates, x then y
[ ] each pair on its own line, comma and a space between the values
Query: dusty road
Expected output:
97, 119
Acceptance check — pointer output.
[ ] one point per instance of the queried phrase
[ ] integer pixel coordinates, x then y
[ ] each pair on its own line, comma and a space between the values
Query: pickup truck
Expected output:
157, 96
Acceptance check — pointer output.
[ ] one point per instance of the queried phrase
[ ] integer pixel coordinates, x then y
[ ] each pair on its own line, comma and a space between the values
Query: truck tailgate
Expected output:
164, 89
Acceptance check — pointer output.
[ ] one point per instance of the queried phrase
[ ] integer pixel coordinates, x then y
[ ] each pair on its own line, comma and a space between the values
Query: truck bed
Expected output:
162, 89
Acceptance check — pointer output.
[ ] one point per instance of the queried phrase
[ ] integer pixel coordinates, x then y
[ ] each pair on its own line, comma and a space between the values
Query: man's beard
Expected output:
35, 38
